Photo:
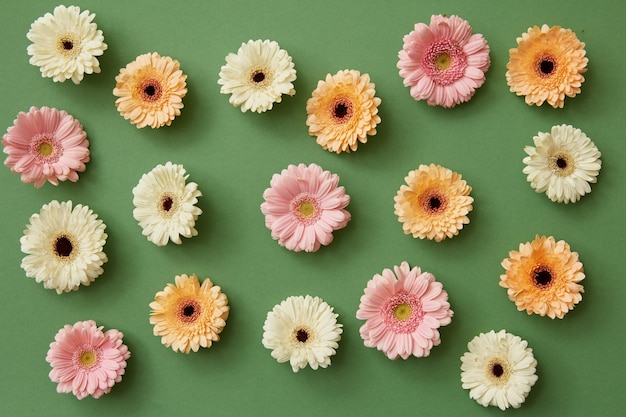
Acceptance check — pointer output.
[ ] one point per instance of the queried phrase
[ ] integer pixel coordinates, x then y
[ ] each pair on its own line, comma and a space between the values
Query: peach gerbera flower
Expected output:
543, 277
150, 90
434, 204
188, 315
547, 65
343, 111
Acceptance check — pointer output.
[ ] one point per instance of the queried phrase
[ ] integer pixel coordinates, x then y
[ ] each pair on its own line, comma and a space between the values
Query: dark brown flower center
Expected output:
151, 90
167, 203
63, 246
434, 203
561, 163
302, 335
546, 66
68, 45
258, 77
497, 370
542, 276
189, 310
341, 110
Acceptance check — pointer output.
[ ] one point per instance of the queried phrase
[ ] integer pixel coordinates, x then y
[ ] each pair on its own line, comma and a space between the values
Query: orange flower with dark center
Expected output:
543, 277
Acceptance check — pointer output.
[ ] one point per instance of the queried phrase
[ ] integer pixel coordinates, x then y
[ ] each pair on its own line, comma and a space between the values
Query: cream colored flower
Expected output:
65, 44
257, 76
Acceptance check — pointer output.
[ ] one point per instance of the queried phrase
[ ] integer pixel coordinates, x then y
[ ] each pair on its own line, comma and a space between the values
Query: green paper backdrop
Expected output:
232, 156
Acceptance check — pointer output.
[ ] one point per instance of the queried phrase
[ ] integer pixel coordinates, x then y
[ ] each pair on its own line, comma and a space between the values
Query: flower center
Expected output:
402, 313
305, 208
67, 45
545, 66
167, 205
63, 246
150, 90
562, 164
433, 202
301, 334
45, 149
542, 276
341, 110
498, 371
260, 77
88, 358
442, 61
189, 310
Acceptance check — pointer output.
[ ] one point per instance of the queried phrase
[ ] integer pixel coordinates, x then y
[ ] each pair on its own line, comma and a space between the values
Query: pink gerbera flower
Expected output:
403, 314
46, 145
87, 361
303, 206
443, 63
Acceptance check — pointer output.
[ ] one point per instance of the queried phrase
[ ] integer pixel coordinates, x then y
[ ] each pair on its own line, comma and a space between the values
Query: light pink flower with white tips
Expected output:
403, 311
87, 361
303, 206
443, 63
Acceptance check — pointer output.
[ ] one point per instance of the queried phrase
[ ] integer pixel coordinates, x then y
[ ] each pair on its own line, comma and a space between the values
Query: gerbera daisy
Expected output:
403, 312
562, 164
499, 369
165, 206
547, 65
257, 76
87, 361
434, 204
303, 206
443, 63
343, 111
65, 44
64, 246
188, 315
46, 145
150, 90
302, 330
543, 277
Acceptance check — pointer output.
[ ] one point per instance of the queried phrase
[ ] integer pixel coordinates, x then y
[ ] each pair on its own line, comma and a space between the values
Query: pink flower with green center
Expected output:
402, 310
87, 361
443, 63
46, 145
304, 206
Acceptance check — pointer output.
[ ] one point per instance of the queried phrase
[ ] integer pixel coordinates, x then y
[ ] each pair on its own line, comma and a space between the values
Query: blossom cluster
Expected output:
443, 63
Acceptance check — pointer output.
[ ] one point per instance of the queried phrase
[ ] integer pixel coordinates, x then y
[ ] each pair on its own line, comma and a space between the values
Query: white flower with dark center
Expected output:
165, 206
64, 247
302, 330
499, 369
563, 164
65, 44
257, 76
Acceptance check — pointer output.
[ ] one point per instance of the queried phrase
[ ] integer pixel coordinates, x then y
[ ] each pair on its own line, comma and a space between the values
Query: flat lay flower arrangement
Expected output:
403, 310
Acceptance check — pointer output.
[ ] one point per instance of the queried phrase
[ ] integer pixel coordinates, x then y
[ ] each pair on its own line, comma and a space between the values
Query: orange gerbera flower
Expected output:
543, 277
547, 65
150, 90
434, 204
343, 111
187, 315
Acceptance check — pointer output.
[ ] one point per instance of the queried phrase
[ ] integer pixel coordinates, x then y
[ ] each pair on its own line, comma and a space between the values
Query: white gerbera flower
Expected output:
165, 206
64, 246
563, 164
499, 369
65, 44
257, 76
302, 330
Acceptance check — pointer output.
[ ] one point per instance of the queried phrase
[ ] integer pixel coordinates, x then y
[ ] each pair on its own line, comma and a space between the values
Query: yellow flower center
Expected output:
45, 149
307, 209
562, 164
67, 45
498, 371
442, 61
402, 311
88, 358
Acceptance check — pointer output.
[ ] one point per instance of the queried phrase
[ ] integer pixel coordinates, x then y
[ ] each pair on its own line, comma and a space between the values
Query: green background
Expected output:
232, 156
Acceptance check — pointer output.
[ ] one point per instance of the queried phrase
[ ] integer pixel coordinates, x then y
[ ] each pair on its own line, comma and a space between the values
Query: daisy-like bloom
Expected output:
65, 44
188, 315
87, 361
434, 204
165, 206
443, 63
343, 111
547, 65
543, 277
257, 76
64, 246
562, 164
303, 206
499, 369
150, 90
46, 145
402, 312
302, 330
